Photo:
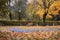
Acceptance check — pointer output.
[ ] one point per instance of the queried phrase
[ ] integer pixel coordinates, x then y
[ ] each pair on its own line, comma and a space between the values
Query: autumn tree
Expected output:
46, 4
32, 9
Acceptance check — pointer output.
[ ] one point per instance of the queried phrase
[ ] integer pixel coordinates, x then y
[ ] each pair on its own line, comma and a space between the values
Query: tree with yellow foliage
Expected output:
39, 5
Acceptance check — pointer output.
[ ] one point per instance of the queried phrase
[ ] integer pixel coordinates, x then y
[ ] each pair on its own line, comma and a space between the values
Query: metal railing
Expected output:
27, 23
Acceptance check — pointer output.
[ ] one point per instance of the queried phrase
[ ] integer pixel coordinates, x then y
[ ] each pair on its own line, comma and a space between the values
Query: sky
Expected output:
29, 1
13, 2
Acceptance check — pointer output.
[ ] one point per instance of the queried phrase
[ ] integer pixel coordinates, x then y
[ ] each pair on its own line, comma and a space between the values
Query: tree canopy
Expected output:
4, 9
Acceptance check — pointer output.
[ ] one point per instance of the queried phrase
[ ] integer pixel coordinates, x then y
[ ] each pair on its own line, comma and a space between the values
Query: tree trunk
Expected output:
10, 16
19, 16
44, 17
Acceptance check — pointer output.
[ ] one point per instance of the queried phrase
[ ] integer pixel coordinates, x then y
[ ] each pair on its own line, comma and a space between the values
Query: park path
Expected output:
30, 28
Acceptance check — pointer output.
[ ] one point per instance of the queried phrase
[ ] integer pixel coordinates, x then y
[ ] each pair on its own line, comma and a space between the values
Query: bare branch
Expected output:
44, 4
50, 3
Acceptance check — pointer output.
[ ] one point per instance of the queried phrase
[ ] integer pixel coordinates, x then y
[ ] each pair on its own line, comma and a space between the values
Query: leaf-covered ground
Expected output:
29, 33
11, 35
